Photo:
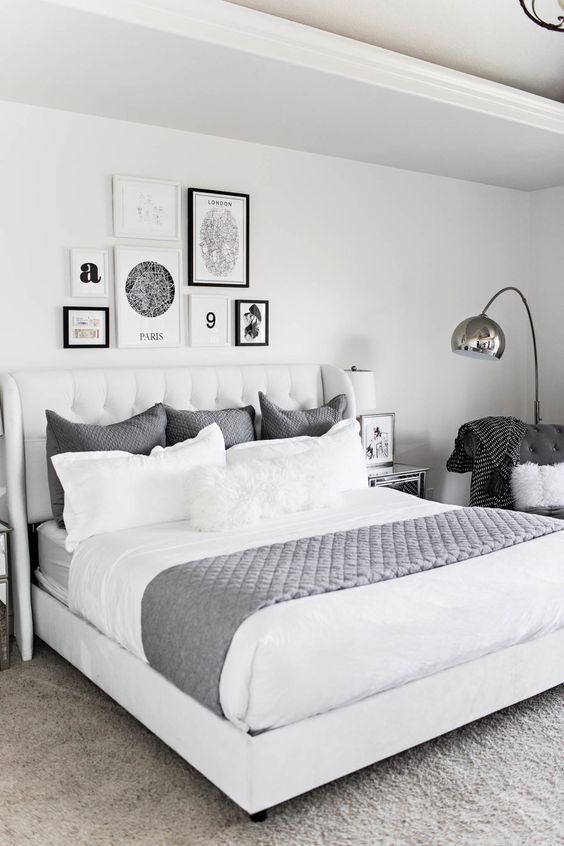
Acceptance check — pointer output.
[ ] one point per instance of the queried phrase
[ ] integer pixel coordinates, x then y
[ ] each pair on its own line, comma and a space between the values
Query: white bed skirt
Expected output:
261, 771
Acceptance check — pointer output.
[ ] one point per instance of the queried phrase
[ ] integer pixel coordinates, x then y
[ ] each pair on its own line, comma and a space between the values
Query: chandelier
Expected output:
531, 9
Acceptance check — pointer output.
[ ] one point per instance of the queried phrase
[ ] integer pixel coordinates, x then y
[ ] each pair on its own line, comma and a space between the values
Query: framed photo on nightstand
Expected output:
378, 440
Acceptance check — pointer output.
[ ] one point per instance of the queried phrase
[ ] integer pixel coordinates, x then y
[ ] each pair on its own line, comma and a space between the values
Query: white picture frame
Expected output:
378, 438
209, 320
148, 290
88, 272
146, 208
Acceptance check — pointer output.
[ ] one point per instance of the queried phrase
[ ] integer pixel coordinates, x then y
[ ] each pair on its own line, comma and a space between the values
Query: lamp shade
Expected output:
478, 336
364, 389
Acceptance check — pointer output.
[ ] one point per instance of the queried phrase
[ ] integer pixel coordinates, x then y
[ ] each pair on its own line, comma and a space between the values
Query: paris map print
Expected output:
148, 297
149, 289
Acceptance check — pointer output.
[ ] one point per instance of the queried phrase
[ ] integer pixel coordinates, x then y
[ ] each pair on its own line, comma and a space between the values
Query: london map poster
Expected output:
218, 238
147, 283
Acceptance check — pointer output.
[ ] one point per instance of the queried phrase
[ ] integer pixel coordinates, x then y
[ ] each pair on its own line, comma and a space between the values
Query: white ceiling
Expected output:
492, 39
211, 67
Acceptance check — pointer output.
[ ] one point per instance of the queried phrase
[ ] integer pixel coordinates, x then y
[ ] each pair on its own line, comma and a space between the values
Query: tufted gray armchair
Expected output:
543, 444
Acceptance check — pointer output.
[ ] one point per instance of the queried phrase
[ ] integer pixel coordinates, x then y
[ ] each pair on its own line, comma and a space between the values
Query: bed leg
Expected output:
259, 817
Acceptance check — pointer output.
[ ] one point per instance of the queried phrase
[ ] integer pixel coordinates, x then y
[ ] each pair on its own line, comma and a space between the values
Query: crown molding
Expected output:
245, 30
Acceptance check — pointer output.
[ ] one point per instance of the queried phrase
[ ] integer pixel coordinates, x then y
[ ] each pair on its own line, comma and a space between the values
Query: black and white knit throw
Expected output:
498, 444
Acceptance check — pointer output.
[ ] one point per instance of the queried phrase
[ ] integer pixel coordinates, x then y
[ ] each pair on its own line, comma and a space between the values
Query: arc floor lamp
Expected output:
482, 338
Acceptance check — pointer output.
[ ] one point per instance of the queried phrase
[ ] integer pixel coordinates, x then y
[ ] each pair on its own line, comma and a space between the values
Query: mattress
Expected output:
54, 560
296, 659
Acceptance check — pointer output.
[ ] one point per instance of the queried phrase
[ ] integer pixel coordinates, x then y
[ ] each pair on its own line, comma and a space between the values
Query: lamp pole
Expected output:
536, 362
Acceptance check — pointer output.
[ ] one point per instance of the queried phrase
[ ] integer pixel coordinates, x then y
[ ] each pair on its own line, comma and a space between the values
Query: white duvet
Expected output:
296, 659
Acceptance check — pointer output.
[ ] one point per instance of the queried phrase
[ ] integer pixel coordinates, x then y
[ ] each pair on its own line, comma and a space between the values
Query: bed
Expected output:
277, 738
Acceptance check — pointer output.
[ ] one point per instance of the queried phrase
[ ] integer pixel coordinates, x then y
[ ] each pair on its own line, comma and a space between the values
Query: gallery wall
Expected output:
361, 264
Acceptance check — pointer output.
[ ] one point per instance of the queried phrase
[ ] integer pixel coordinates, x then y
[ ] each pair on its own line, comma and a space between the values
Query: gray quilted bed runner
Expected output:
190, 612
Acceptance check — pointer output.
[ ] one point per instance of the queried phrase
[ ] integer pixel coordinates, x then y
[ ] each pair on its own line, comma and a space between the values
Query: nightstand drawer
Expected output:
3, 555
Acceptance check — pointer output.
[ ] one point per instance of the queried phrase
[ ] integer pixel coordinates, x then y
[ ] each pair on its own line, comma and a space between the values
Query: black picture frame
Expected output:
193, 193
239, 339
67, 340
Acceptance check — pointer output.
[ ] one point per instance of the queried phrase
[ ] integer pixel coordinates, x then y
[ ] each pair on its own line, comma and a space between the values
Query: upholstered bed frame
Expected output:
259, 771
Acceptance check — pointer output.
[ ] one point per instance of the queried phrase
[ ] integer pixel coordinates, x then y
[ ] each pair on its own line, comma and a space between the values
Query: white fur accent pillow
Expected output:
537, 485
251, 491
109, 491
340, 446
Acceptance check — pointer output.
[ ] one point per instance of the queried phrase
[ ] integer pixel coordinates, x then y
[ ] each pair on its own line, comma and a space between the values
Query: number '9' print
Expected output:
209, 319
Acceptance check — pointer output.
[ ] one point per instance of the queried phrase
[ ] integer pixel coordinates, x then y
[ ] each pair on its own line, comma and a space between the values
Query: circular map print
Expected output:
149, 289
219, 241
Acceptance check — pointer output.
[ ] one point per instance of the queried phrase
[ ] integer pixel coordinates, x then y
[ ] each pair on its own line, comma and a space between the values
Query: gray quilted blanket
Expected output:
190, 612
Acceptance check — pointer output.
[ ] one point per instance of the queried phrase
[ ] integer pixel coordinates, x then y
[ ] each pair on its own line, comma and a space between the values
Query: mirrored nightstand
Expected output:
4, 597
403, 477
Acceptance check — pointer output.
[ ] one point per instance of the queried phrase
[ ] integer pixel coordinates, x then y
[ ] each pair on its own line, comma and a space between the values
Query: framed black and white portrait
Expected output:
85, 327
146, 208
378, 440
209, 320
218, 238
251, 323
88, 273
147, 286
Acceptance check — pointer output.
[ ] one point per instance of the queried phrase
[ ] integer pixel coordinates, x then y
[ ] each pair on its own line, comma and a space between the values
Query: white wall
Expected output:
361, 264
547, 297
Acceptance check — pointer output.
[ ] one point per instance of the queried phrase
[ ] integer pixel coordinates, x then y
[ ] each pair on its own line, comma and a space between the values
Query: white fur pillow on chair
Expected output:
537, 485
251, 491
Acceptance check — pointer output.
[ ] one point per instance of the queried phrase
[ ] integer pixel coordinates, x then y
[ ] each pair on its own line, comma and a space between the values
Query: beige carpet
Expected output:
76, 769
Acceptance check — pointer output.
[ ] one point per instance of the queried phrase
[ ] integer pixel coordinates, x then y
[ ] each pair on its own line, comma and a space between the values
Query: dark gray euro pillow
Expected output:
138, 435
285, 423
236, 424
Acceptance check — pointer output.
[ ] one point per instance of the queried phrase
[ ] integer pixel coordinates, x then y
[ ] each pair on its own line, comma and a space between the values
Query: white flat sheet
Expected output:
54, 560
296, 659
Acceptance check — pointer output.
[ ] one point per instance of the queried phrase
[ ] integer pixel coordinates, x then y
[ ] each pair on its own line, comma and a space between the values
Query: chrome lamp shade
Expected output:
478, 336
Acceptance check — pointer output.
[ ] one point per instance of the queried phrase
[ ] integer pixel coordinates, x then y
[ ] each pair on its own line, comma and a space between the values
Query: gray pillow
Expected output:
236, 424
138, 434
284, 423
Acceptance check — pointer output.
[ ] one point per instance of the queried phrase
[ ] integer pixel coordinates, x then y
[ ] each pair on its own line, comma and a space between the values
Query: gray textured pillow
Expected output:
138, 435
236, 424
284, 423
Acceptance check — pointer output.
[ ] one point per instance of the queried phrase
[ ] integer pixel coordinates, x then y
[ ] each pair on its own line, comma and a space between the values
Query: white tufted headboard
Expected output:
109, 395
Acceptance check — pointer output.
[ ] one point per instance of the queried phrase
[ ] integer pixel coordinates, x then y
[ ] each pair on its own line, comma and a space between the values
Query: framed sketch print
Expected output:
251, 323
377, 433
147, 286
146, 208
88, 273
218, 238
85, 327
209, 321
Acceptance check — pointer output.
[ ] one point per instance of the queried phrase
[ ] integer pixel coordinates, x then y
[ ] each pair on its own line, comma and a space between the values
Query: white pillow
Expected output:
109, 491
251, 491
537, 485
341, 446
